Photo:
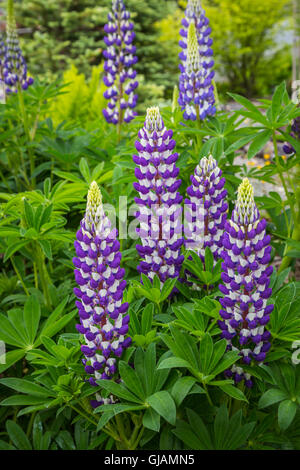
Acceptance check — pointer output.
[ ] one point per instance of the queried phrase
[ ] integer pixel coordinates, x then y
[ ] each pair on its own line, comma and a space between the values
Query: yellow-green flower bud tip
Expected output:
196, 4
94, 205
193, 55
11, 21
246, 211
154, 120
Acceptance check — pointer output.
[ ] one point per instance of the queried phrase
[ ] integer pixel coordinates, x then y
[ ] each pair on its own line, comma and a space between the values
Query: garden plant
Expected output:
149, 293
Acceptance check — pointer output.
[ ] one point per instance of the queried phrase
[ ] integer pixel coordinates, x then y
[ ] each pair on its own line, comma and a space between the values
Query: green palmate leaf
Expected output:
184, 432
9, 334
218, 353
109, 411
46, 247
186, 346
84, 170
206, 351
17, 436
151, 420
118, 390
21, 400
254, 112
277, 101
208, 260
172, 362
32, 314
239, 144
234, 392
131, 380
25, 386
259, 142
29, 213
229, 358
272, 396
286, 413
182, 388
147, 319
164, 405
11, 358
167, 288
14, 247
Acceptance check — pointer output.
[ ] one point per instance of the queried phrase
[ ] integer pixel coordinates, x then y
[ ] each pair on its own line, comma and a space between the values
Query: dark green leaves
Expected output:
287, 393
225, 434
20, 328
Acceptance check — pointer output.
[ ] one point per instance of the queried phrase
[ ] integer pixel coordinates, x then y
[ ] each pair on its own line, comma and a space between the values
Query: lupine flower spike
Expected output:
206, 209
120, 59
246, 278
159, 200
103, 318
14, 67
195, 84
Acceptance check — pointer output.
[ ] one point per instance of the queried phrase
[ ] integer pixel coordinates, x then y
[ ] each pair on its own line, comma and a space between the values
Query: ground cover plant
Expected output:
149, 294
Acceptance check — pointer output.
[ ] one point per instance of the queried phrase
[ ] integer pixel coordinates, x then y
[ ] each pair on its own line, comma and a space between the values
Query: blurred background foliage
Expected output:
252, 45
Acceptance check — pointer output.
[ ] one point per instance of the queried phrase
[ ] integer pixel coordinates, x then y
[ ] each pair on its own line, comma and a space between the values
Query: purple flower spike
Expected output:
103, 319
295, 133
246, 278
196, 96
206, 209
159, 212
14, 68
120, 77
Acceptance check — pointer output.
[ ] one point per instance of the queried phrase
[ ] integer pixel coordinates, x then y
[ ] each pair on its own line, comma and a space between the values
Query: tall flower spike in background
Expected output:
195, 83
159, 201
103, 319
206, 208
246, 278
120, 59
14, 66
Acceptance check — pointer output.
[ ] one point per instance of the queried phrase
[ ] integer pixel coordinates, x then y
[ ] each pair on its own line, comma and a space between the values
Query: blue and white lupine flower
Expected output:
159, 201
246, 277
120, 76
195, 84
15, 74
206, 209
103, 318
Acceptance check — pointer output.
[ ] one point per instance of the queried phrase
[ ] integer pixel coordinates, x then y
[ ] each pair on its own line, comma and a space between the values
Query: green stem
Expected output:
139, 437
40, 261
208, 395
19, 276
27, 132
120, 427
286, 261
30, 424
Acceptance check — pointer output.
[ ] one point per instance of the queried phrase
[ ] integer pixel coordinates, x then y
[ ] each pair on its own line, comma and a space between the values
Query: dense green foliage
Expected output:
175, 396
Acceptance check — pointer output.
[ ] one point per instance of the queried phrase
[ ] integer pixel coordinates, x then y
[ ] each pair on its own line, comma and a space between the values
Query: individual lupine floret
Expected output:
103, 318
295, 133
195, 84
206, 209
160, 212
120, 59
14, 66
246, 277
